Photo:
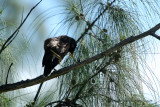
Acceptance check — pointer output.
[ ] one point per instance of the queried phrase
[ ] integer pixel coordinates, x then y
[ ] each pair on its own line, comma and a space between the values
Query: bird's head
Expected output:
73, 45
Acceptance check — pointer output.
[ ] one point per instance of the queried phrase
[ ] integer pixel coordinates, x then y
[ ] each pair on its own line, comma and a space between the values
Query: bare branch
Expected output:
35, 98
40, 79
11, 38
8, 72
91, 25
155, 35
51, 103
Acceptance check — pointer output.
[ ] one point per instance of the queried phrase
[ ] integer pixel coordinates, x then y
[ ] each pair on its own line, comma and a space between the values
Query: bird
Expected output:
55, 50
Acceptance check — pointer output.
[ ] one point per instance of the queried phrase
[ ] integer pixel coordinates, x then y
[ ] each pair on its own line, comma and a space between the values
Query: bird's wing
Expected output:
49, 56
49, 62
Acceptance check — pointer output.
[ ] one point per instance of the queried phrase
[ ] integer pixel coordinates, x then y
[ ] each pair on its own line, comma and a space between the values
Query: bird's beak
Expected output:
72, 55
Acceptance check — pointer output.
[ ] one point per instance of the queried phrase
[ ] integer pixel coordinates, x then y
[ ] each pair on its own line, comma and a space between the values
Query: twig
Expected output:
70, 89
35, 98
10, 39
91, 25
51, 103
85, 82
81, 5
8, 72
40, 79
155, 35
22, 14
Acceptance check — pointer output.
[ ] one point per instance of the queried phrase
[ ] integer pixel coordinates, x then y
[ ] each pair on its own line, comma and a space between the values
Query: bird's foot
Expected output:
60, 59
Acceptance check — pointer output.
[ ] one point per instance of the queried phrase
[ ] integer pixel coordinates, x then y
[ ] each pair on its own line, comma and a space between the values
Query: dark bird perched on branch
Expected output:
55, 50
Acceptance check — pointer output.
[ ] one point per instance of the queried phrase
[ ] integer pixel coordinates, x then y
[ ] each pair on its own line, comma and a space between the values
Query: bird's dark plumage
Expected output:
55, 50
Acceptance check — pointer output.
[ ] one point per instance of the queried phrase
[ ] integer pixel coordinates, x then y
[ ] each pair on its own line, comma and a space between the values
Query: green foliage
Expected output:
5, 101
1, 12
110, 81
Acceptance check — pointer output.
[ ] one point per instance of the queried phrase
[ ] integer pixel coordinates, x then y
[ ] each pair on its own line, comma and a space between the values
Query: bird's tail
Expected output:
47, 70
47, 63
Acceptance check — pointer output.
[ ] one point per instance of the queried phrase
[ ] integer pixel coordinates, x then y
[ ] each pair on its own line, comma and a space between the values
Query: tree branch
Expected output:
8, 72
85, 82
155, 35
91, 25
38, 91
12, 37
40, 79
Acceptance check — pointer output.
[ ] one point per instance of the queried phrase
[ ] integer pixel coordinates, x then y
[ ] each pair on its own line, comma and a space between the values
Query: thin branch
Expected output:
85, 82
81, 5
10, 39
155, 35
8, 72
91, 25
40, 79
35, 98
70, 89
22, 14
51, 103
